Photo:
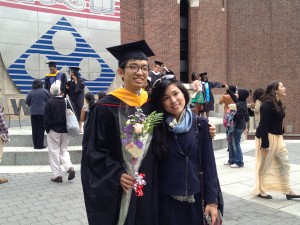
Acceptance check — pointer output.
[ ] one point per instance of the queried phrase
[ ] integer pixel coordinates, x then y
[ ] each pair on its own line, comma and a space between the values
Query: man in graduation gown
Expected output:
55, 76
103, 176
156, 72
159, 70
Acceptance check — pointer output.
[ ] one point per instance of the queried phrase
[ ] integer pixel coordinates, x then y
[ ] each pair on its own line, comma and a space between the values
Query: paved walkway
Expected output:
30, 197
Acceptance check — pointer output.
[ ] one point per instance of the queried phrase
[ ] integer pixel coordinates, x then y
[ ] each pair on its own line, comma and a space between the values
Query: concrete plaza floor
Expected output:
31, 198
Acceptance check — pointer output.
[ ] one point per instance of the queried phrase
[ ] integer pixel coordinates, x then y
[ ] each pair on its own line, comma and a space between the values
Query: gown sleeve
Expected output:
101, 166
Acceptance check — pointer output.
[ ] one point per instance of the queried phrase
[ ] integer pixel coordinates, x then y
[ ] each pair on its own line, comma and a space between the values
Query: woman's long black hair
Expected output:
90, 97
161, 131
270, 96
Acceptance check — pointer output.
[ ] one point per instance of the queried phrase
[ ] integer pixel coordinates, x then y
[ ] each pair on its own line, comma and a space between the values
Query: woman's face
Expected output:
173, 101
72, 74
281, 91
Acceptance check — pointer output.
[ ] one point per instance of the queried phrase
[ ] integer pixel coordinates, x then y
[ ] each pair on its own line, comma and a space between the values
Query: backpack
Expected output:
228, 120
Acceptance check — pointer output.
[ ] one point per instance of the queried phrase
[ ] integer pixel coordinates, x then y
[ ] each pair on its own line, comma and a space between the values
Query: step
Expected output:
23, 138
20, 151
31, 156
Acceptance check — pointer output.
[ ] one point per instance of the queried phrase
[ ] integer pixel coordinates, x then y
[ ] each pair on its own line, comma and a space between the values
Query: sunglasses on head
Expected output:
165, 77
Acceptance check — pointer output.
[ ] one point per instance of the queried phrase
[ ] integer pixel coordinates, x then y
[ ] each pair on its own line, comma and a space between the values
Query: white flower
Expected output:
138, 128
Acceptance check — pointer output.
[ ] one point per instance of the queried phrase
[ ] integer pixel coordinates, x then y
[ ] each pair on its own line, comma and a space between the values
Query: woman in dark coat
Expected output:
75, 90
178, 141
36, 100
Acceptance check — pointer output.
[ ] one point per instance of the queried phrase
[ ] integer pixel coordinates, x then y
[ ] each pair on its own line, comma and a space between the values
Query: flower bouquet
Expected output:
136, 135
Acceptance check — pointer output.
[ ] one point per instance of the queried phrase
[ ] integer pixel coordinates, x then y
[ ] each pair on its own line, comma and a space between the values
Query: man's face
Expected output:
134, 75
156, 68
52, 70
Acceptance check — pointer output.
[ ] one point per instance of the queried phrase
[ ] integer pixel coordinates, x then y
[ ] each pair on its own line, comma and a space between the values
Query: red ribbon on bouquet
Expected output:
139, 184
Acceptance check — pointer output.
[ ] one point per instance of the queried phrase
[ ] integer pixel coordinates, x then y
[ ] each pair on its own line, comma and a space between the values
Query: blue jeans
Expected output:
234, 147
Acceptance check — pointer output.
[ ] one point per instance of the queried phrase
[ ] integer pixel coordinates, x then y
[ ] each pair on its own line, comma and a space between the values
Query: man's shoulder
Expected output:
109, 101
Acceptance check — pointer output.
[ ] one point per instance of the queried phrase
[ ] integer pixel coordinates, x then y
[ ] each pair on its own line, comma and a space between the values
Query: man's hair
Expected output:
55, 89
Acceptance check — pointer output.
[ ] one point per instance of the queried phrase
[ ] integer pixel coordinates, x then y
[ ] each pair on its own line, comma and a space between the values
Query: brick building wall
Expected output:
263, 46
250, 44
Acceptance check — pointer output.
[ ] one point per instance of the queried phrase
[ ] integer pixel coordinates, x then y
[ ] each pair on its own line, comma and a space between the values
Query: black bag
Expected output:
250, 112
220, 200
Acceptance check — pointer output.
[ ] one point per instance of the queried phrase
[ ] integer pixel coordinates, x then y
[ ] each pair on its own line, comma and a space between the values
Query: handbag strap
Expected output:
67, 101
199, 153
200, 170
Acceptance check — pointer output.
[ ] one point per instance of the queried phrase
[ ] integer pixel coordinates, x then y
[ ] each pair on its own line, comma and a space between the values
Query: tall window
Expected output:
184, 41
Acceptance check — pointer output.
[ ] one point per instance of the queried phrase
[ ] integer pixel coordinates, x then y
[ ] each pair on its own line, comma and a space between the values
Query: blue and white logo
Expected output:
98, 79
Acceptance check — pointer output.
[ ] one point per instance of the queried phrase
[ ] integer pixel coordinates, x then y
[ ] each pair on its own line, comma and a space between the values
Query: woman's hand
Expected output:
212, 130
212, 210
126, 182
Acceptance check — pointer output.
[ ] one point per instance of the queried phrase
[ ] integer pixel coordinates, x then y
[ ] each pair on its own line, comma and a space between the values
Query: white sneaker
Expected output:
235, 166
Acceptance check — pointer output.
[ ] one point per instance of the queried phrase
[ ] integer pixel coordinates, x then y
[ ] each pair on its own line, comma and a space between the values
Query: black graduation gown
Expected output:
154, 77
76, 95
101, 168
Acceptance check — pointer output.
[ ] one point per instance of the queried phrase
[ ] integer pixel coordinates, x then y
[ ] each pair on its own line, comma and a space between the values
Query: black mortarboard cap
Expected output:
203, 74
158, 63
75, 69
51, 64
133, 50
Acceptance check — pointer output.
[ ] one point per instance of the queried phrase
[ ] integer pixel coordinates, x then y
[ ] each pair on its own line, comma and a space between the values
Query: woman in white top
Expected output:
255, 107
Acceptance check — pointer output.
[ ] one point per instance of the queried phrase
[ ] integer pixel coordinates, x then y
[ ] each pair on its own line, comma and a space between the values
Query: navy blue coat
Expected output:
178, 171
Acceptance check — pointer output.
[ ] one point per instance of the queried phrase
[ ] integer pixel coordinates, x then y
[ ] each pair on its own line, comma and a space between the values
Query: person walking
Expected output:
36, 100
178, 141
75, 90
57, 135
3, 139
272, 170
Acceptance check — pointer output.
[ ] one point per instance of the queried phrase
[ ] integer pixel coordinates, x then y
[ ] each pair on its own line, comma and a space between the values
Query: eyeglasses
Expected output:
165, 77
135, 68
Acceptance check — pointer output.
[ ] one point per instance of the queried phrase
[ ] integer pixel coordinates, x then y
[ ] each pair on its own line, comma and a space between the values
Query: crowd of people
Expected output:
176, 180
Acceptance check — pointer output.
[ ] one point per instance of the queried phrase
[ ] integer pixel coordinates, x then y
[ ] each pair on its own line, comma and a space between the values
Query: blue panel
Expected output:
16, 66
49, 47
83, 45
64, 58
84, 50
44, 42
47, 37
23, 80
63, 28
